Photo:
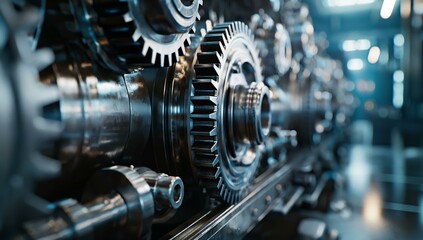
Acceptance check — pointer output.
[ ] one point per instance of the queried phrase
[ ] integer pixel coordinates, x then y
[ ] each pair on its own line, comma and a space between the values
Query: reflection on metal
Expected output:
151, 123
272, 189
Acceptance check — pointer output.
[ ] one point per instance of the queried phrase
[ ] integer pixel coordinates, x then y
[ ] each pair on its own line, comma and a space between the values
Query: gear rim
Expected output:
222, 173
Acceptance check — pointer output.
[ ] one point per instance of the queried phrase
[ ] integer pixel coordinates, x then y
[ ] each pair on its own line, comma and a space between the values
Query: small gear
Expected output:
230, 111
296, 17
274, 42
135, 33
24, 119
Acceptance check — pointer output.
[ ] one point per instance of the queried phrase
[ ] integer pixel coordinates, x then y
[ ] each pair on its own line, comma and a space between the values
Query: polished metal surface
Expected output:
217, 150
168, 191
162, 125
104, 114
251, 118
116, 199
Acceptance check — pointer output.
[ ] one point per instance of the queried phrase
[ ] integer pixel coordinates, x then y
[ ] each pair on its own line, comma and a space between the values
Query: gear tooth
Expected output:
127, 17
176, 56
212, 184
237, 27
187, 42
192, 30
145, 49
136, 36
217, 37
205, 146
209, 160
207, 70
228, 196
205, 86
204, 116
203, 112
154, 57
222, 190
162, 58
183, 51
171, 59
214, 172
198, 17
223, 32
236, 197
220, 183
204, 100
232, 30
215, 46
204, 131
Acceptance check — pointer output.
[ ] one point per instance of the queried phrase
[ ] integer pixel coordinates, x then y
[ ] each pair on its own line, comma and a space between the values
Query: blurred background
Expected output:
380, 45
379, 42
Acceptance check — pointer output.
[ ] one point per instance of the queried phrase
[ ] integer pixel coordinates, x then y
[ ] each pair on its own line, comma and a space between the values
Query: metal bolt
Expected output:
254, 212
278, 188
268, 199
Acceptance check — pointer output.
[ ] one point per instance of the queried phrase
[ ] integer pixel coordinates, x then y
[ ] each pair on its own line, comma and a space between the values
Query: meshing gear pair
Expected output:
229, 110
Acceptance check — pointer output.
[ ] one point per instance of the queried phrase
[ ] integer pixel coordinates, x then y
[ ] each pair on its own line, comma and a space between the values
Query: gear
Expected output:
274, 42
25, 99
137, 33
296, 17
230, 111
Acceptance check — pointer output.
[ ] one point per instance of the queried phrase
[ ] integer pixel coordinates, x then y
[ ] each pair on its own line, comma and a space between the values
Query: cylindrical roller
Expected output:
251, 112
105, 115
118, 201
168, 191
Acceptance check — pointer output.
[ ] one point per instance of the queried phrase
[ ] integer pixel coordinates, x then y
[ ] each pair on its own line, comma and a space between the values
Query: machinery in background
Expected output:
153, 119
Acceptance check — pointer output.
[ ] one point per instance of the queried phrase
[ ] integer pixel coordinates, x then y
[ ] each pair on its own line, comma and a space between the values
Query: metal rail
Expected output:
272, 188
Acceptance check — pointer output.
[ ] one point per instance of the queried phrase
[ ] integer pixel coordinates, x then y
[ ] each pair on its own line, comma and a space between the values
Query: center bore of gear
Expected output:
249, 113
229, 102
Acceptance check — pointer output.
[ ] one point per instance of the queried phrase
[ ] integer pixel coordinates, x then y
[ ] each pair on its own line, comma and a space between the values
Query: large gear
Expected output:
24, 119
137, 33
230, 111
